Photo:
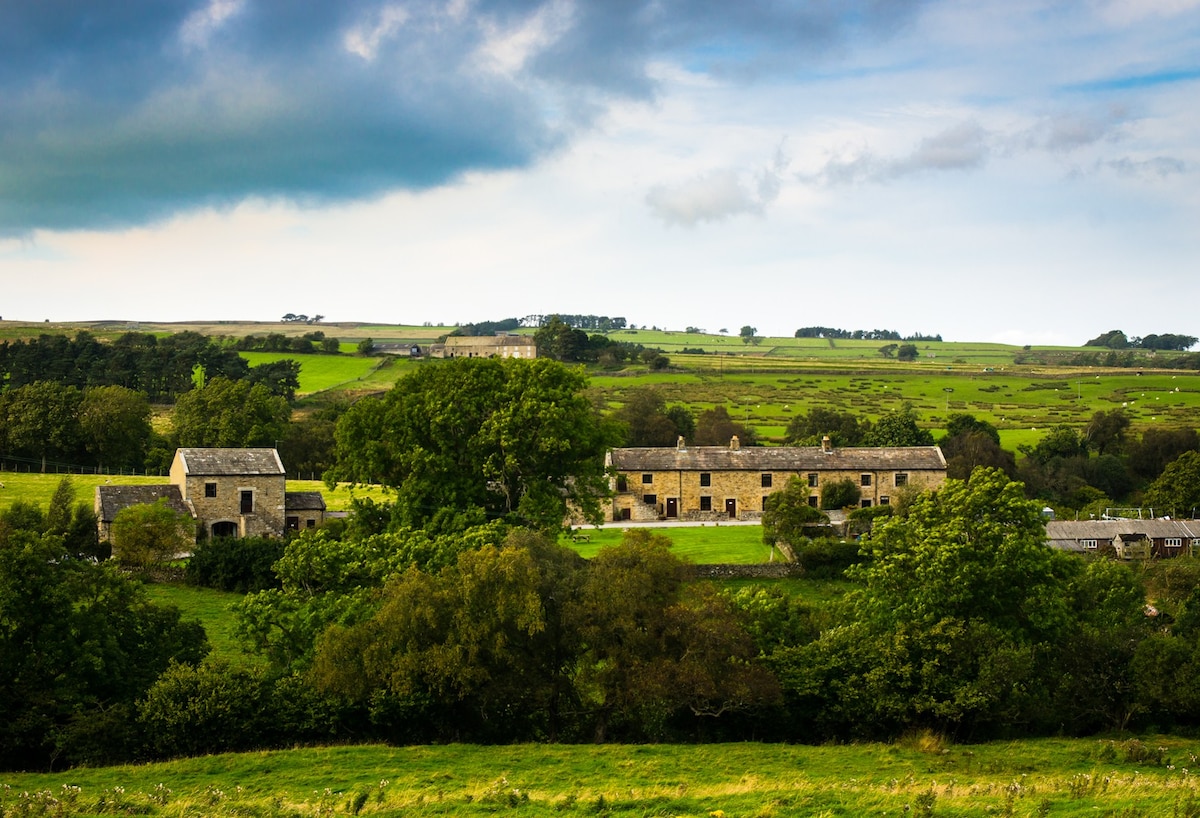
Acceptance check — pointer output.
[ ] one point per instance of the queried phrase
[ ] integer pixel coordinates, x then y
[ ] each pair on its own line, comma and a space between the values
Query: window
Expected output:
813, 500
901, 479
766, 481
763, 507
812, 480
647, 479
210, 489
1090, 545
885, 500
650, 499
247, 505
866, 503
705, 478
292, 523
622, 483
865, 480
1173, 542
705, 502
310, 523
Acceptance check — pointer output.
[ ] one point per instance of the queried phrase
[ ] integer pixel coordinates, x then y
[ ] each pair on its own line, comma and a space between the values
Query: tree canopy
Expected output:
515, 438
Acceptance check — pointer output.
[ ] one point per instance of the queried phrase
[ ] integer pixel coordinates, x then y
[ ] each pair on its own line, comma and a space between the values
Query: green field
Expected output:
1022, 405
920, 777
39, 488
707, 544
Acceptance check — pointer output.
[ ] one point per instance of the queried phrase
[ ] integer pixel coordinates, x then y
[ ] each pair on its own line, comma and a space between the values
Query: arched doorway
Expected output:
225, 528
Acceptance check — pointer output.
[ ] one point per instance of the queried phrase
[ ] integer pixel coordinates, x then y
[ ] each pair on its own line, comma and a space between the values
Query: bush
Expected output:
828, 559
243, 565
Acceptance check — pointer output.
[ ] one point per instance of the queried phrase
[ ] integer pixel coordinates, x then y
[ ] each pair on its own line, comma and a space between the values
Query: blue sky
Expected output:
1022, 172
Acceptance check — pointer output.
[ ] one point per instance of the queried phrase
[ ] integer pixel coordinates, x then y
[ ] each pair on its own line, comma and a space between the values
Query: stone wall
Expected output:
767, 570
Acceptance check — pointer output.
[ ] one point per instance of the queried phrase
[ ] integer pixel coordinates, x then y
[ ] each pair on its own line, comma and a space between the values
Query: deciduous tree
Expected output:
150, 534
513, 437
230, 413
788, 517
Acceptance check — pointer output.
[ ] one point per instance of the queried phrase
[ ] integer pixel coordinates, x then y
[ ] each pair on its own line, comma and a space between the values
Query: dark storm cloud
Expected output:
119, 113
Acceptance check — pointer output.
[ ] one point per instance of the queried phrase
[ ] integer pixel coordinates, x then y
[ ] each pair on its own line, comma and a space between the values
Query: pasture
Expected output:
921, 776
1020, 403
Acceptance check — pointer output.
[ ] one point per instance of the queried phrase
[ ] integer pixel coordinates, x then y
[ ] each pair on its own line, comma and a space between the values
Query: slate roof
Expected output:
111, 499
1066, 534
230, 462
779, 458
304, 501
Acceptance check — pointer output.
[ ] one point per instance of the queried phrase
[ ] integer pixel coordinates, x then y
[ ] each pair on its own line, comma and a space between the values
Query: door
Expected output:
672, 506
731, 508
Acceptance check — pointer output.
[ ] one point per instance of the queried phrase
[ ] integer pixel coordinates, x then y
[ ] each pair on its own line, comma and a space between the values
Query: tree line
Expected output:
862, 334
160, 368
1116, 339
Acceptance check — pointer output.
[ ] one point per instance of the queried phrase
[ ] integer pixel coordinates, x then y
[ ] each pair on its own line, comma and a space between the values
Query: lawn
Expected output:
706, 544
923, 776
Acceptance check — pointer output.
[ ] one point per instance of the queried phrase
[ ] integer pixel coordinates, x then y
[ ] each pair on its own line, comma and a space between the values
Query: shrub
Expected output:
828, 558
243, 565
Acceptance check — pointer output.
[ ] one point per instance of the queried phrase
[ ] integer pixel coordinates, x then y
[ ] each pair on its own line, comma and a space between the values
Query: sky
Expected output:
1024, 172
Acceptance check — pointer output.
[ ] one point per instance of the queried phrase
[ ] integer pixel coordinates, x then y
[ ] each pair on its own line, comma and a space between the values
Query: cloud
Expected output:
1158, 167
964, 146
122, 113
718, 194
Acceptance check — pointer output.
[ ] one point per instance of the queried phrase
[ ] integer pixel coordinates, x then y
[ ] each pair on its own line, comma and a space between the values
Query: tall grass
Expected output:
928, 777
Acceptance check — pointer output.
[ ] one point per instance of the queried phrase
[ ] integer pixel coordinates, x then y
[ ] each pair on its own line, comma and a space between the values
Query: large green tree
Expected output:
714, 427
41, 421
842, 428
647, 421
1177, 490
230, 413
513, 437
899, 428
962, 620
115, 424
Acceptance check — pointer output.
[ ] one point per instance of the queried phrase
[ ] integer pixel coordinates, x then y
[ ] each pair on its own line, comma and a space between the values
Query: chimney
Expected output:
679, 443
734, 443
826, 444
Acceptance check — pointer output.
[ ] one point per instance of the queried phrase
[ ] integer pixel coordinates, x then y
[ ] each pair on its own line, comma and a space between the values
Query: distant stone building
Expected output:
731, 482
500, 345
1126, 538
229, 492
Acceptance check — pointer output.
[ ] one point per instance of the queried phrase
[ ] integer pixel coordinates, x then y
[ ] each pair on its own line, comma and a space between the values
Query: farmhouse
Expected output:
229, 492
500, 345
1126, 539
730, 482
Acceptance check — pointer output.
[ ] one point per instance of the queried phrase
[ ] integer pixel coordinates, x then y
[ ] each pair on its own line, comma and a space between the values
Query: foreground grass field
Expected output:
924, 777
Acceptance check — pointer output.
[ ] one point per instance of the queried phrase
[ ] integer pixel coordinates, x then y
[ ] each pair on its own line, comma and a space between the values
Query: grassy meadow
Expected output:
923, 777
